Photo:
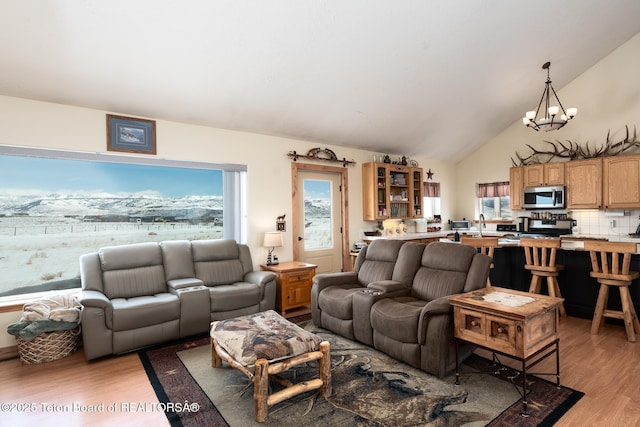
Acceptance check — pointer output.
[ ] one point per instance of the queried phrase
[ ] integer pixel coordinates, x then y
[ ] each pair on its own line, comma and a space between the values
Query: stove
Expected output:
550, 227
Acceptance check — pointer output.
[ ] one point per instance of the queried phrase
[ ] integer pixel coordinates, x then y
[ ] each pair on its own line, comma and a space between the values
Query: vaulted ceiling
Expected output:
436, 78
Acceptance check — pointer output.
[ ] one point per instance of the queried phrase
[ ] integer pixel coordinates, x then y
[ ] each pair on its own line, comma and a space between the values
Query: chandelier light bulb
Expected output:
553, 110
571, 112
530, 115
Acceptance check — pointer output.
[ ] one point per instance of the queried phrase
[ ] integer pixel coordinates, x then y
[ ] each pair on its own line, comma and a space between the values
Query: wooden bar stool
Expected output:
484, 245
616, 273
540, 256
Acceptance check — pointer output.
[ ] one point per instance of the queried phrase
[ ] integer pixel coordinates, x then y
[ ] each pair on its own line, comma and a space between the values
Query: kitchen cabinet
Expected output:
547, 174
584, 184
621, 182
516, 184
391, 191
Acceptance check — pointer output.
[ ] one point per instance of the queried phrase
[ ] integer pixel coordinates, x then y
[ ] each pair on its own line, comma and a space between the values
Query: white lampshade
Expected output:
272, 239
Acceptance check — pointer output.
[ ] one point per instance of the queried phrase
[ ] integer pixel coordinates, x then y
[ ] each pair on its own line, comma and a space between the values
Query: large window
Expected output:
493, 200
56, 206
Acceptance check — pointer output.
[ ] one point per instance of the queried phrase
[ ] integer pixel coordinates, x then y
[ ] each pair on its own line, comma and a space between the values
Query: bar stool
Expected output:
540, 256
616, 274
484, 245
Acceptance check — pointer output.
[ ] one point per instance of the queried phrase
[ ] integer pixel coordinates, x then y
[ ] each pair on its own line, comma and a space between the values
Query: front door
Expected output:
318, 203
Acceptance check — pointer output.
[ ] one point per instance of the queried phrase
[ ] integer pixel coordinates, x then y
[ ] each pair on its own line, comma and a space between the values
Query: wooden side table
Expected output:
516, 324
293, 287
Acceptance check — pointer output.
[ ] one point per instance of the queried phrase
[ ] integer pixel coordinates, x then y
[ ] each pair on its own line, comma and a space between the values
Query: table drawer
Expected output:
298, 277
486, 330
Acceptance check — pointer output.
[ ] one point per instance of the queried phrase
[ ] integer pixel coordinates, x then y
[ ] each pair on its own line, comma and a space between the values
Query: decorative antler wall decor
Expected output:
572, 151
320, 154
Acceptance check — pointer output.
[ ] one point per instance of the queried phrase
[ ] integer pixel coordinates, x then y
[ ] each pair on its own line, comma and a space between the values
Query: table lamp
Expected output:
272, 240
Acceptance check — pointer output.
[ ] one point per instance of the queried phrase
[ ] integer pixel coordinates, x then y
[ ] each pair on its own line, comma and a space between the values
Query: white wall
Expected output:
607, 97
47, 125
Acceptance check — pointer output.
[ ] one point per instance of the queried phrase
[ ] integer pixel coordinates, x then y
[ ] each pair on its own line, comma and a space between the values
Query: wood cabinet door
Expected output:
544, 174
621, 179
554, 173
584, 184
516, 184
375, 191
533, 175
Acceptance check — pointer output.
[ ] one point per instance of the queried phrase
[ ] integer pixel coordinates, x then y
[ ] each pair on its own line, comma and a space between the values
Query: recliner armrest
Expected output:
259, 277
321, 281
189, 282
439, 306
94, 299
387, 286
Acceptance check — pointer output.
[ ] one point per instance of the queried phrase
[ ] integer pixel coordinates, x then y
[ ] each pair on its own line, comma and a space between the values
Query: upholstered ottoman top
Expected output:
265, 335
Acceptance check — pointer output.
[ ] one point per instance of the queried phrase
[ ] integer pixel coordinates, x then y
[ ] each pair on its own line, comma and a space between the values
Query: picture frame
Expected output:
131, 134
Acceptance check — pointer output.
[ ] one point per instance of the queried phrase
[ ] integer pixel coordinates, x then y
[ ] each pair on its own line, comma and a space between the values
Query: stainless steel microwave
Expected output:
543, 197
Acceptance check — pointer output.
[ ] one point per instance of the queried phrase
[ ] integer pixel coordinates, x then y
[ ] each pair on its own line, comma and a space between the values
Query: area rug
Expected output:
369, 389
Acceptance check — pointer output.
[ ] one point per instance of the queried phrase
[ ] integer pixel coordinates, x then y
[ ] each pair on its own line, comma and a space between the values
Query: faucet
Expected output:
483, 224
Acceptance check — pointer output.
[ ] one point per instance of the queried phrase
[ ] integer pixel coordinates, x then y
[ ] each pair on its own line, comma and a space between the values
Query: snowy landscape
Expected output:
41, 238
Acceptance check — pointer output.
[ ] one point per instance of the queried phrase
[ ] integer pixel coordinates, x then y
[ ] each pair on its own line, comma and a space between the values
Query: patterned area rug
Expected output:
369, 389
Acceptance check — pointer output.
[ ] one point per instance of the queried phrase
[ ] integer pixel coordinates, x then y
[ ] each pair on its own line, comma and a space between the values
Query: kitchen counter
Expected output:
438, 235
568, 241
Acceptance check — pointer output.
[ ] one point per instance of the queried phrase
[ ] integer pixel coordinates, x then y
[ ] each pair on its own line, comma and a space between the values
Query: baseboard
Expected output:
8, 352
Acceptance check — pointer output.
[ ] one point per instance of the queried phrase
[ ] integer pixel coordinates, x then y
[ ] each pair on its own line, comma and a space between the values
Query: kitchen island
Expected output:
578, 288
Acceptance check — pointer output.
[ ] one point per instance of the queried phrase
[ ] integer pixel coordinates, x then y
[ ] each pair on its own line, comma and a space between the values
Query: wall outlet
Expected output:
612, 223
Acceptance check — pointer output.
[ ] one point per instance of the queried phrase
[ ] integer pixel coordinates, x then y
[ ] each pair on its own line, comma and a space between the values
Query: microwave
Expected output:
543, 197
461, 225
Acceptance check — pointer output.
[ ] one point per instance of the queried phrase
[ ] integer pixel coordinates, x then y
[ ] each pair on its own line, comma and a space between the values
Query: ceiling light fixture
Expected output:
549, 119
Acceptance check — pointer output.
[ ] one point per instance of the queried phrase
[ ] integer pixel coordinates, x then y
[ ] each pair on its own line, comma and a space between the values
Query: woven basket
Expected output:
48, 346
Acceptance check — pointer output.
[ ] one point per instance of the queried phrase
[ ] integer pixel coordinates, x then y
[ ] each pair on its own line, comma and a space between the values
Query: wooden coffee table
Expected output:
516, 324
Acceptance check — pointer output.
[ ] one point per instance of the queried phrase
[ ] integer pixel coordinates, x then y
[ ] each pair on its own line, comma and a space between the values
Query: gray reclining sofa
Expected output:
405, 310
142, 294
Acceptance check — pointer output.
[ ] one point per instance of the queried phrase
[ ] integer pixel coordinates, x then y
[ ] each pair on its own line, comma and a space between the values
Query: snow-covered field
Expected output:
29, 257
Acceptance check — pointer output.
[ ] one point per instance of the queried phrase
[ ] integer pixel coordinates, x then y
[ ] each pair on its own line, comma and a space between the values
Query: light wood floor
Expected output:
606, 367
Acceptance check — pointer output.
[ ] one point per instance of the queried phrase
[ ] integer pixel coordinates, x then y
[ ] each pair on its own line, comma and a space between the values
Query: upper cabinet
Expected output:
621, 176
516, 185
391, 191
547, 174
584, 184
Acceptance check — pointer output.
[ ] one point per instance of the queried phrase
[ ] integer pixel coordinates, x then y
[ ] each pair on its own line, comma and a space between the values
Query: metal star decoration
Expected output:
429, 174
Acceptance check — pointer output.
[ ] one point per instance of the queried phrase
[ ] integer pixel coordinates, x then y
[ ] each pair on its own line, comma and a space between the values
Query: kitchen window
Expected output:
431, 192
493, 200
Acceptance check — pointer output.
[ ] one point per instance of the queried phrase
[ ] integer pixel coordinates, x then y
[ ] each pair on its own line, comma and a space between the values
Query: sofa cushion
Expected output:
397, 318
130, 256
134, 282
232, 297
337, 300
444, 270
217, 262
132, 270
176, 255
379, 261
138, 312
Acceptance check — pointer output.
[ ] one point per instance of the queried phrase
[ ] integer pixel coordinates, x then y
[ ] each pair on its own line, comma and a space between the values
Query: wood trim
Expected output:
344, 206
10, 352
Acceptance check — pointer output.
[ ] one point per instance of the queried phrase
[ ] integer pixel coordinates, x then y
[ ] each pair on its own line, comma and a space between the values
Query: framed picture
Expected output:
131, 135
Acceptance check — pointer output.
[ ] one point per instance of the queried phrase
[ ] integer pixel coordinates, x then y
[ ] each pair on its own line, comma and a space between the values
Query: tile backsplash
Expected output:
595, 222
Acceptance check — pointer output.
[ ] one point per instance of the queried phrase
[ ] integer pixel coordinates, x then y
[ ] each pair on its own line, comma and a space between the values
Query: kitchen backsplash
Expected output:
593, 222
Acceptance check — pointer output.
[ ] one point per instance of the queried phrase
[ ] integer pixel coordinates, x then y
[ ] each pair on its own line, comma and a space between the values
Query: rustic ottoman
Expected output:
264, 344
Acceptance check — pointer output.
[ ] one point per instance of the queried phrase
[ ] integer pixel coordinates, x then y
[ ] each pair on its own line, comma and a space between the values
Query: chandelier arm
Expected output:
558, 99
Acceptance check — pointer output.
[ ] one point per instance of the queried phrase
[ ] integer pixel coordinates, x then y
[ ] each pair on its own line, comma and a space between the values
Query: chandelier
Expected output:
549, 118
